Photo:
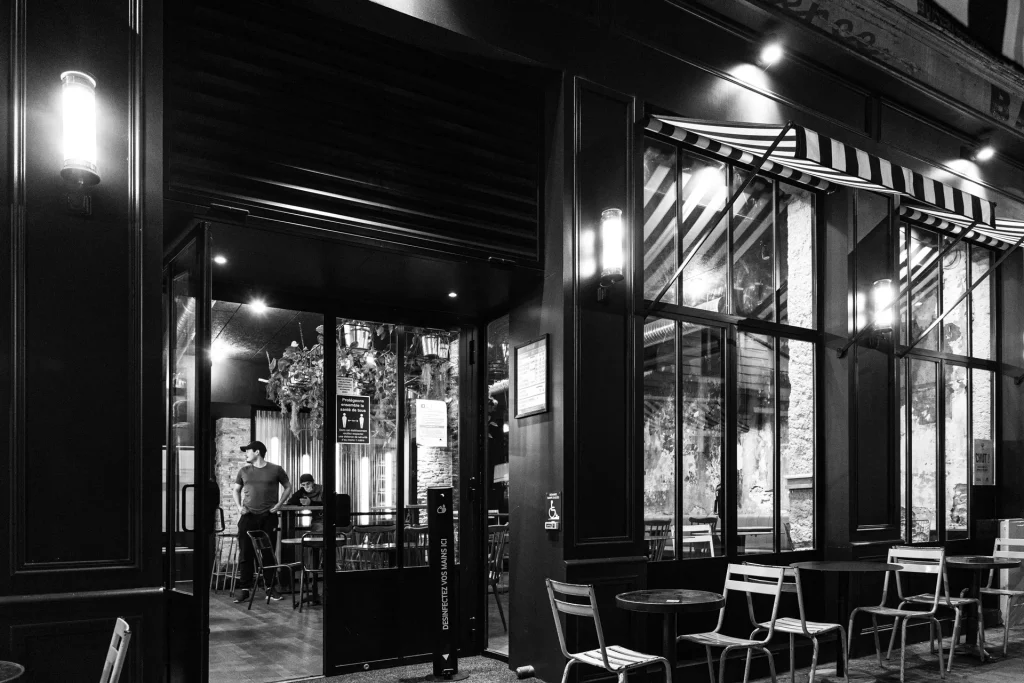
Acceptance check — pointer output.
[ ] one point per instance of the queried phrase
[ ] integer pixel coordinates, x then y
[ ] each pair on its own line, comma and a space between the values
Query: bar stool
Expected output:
225, 569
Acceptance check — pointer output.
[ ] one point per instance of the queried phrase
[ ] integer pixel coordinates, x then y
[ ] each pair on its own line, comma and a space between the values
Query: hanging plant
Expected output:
296, 382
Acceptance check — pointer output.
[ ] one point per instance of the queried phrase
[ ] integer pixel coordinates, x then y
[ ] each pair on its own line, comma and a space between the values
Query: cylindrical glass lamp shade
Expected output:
611, 245
881, 300
79, 103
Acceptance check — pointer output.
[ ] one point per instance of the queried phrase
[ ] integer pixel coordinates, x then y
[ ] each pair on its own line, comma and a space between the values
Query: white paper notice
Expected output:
984, 463
532, 378
431, 423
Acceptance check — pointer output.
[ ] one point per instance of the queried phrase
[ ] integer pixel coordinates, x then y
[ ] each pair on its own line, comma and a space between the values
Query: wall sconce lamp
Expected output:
80, 170
611, 250
880, 325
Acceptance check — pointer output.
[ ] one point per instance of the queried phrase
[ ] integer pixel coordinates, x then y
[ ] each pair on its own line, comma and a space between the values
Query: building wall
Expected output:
80, 344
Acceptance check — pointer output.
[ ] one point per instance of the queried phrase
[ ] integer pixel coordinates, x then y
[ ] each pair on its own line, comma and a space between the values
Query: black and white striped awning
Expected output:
806, 156
1006, 231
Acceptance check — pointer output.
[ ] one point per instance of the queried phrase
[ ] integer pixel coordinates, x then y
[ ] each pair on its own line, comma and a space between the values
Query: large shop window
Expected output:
729, 362
946, 383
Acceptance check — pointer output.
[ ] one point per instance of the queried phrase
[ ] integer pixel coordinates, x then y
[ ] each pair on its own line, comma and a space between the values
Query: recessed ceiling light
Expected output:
220, 260
452, 295
258, 305
220, 350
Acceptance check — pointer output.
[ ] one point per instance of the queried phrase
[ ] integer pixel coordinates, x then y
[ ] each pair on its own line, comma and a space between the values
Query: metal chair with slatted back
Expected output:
693, 536
266, 561
417, 545
914, 561
116, 653
612, 658
359, 552
747, 579
1012, 548
799, 627
657, 533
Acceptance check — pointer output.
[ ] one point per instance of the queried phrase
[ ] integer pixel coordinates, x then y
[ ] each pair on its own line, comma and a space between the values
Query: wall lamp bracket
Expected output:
1018, 380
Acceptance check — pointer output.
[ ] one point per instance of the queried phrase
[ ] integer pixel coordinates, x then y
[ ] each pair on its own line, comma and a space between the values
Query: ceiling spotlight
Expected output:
452, 295
219, 260
983, 150
258, 306
771, 51
219, 351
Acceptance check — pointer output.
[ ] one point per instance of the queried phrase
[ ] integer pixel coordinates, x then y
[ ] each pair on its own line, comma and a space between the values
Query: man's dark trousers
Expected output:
253, 521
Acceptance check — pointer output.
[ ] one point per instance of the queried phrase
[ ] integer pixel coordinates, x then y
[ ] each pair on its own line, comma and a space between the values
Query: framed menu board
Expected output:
531, 372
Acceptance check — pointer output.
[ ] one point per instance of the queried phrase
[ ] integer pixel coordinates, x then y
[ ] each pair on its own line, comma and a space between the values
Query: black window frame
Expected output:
732, 325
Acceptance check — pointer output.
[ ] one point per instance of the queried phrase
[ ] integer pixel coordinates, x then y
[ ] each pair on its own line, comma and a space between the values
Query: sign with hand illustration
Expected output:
353, 419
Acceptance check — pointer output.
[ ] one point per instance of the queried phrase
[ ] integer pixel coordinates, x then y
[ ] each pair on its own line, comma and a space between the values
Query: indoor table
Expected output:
978, 565
670, 602
849, 568
10, 671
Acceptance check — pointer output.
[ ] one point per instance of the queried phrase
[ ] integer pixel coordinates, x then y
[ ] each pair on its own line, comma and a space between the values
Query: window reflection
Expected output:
661, 226
659, 368
954, 284
753, 245
924, 273
982, 325
796, 443
796, 255
755, 443
955, 424
924, 450
705, 193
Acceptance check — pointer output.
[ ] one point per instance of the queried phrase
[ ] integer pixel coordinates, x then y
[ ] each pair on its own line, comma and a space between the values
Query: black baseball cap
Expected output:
255, 445
306, 477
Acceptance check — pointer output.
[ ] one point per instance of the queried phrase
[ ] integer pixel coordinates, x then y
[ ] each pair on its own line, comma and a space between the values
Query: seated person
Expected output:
310, 493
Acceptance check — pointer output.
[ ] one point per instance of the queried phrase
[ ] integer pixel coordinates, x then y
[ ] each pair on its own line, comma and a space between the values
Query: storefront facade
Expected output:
724, 404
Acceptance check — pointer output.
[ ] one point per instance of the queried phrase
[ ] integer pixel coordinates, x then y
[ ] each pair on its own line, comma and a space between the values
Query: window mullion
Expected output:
777, 468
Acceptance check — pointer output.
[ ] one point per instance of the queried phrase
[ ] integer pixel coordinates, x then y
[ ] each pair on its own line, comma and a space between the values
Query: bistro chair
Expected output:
657, 533
363, 549
750, 579
116, 652
1012, 548
957, 604
798, 627
914, 561
266, 561
612, 658
497, 537
698, 539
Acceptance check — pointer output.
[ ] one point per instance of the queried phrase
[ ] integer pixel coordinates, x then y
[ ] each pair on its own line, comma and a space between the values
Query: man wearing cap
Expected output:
256, 495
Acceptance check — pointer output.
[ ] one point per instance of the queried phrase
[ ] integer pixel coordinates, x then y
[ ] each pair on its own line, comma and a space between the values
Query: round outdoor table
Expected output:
847, 567
9, 671
670, 602
977, 565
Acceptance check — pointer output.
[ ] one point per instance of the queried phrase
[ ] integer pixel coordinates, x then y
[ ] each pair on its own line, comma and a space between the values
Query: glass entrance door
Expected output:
395, 420
186, 297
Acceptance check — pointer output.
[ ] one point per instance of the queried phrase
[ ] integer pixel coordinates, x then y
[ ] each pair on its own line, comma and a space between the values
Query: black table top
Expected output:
669, 600
10, 671
846, 566
980, 562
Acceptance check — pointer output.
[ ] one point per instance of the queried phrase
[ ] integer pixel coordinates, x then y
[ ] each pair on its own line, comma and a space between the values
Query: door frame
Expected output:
188, 615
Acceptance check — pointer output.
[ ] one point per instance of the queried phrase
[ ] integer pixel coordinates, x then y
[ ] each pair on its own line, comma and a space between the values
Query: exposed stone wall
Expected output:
230, 433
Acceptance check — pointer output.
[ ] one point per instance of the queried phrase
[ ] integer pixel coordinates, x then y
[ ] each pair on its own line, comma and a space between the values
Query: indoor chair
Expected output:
1014, 549
614, 659
799, 627
914, 561
417, 546
752, 579
266, 561
497, 536
357, 551
697, 538
657, 533
116, 652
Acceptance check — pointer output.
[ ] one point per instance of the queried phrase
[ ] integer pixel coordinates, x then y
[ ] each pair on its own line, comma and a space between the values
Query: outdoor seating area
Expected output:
773, 622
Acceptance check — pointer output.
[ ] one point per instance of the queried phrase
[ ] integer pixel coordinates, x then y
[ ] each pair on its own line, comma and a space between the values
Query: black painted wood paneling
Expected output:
325, 124
604, 483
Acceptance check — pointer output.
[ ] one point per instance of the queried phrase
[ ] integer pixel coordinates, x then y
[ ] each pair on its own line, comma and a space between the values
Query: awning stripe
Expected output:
804, 153
955, 224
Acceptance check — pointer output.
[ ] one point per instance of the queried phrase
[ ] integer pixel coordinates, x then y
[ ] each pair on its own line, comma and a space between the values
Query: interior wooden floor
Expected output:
268, 643
497, 636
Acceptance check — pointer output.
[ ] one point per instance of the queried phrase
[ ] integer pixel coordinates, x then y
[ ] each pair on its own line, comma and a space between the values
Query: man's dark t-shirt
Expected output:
259, 486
